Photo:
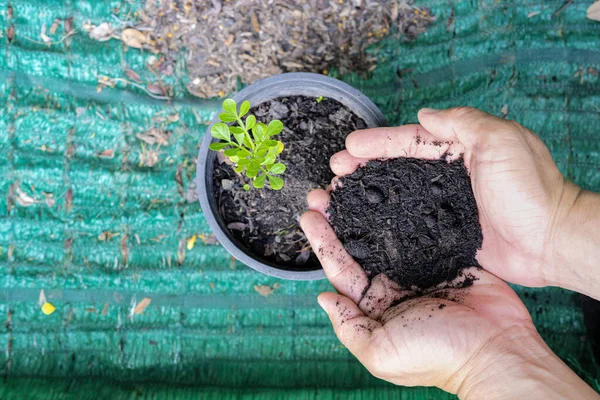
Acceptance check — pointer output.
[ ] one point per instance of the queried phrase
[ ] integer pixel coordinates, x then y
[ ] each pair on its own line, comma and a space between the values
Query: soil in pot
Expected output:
414, 220
266, 221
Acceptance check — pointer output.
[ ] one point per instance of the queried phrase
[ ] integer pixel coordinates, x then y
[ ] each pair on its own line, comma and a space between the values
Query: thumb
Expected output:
350, 324
466, 125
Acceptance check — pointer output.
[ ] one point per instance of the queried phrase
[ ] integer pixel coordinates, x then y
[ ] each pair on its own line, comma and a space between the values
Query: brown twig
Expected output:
71, 33
562, 8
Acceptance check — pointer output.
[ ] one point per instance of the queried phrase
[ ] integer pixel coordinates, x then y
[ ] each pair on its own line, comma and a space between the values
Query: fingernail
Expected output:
319, 302
428, 111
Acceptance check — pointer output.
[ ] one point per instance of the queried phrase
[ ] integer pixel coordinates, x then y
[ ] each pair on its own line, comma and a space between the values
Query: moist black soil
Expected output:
414, 220
266, 220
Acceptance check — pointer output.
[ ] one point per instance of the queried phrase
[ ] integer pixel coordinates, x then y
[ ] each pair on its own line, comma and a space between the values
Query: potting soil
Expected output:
266, 220
98, 208
412, 220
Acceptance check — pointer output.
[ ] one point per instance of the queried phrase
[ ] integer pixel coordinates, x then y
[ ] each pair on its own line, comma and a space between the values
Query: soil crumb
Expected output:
266, 220
414, 220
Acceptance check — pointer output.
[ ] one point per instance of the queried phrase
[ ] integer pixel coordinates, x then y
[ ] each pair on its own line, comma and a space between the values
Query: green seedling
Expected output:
252, 149
320, 99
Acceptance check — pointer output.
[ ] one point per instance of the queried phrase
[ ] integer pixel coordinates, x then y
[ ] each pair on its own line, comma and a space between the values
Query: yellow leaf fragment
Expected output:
48, 308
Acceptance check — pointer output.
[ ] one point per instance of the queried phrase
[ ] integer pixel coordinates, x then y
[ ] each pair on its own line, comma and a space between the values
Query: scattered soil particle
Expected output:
414, 220
266, 220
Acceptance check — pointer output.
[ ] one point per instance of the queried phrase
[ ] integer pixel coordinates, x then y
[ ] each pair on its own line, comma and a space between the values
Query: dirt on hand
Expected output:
414, 220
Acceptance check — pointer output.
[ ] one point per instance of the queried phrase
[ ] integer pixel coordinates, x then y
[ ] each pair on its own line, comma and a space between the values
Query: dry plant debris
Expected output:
226, 41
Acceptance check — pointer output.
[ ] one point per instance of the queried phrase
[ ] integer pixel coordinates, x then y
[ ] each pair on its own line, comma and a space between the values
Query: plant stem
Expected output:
243, 126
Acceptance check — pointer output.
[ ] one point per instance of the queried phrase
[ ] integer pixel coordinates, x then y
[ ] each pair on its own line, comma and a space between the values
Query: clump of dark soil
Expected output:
266, 220
414, 220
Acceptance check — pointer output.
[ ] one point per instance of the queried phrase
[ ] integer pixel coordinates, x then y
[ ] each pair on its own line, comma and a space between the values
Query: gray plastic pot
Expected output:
290, 84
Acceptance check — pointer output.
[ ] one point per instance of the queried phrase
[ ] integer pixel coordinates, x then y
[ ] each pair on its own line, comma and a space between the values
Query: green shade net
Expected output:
82, 219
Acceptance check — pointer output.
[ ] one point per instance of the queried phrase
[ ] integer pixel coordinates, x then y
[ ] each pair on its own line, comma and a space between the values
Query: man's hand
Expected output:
523, 199
478, 342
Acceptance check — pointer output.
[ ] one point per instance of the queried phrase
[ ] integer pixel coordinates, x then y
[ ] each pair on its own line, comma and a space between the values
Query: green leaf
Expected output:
235, 129
277, 169
261, 152
247, 141
234, 159
259, 181
271, 143
246, 187
243, 162
239, 137
220, 131
243, 153
260, 160
258, 132
230, 107
216, 146
250, 122
277, 149
275, 127
225, 117
244, 108
270, 159
239, 168
275, 182
251, 172
231, 152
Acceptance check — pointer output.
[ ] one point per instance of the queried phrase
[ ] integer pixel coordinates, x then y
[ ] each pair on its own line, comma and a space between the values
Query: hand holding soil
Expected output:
471, 336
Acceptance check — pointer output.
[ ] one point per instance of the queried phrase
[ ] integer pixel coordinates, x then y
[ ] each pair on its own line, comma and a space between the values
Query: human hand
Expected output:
477, 341
522, 197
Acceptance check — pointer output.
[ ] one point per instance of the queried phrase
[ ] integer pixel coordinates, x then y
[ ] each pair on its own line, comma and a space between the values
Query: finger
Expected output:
335, 183
318, 200
466, 125
351, 326
402, 141
381, 295
342, 271
343, 163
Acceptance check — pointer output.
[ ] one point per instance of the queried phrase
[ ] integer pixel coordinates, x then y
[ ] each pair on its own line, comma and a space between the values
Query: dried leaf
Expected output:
45, 37
141, 306
155, 136
10, 33
593, 12
173, 117
263, 290
105, 309
133, 38
124, 249
41, 298
9, 12
54, 26
137, 239
208, 239
69, 199
237, 226
134, 76
108, 153
229, 40
68, 24
255, 24
181, 251
149, 157
106, 235
303, 257
156, 89
23, 199
102, 32
49, 199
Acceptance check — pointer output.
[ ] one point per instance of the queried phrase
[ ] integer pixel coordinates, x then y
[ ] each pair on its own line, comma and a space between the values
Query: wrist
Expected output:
517, 364
571, 259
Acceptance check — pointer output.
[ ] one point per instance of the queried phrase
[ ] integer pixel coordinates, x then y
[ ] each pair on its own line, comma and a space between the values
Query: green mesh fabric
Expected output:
73, 152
